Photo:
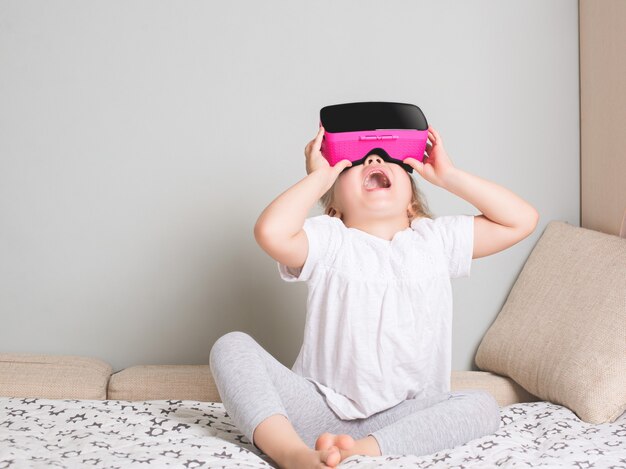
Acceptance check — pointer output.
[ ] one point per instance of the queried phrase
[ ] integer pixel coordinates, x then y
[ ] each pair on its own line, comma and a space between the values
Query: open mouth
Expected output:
377, 179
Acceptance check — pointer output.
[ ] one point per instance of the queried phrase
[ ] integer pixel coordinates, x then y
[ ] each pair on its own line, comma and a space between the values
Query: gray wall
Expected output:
140, 141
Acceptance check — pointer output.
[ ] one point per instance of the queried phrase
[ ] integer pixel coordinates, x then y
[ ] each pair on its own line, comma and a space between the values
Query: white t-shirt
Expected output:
379, 313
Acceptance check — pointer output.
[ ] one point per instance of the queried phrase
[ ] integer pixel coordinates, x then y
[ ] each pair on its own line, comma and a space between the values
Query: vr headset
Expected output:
353, 131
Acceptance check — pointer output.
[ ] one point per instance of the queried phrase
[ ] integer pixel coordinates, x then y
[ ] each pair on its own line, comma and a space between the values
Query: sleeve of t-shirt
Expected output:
323, 235
457, 236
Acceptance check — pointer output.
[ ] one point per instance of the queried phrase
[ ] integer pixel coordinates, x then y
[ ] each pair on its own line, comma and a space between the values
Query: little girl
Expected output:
373, 374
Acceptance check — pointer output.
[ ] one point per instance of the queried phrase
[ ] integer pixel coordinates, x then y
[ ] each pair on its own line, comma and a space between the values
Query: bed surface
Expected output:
183, 433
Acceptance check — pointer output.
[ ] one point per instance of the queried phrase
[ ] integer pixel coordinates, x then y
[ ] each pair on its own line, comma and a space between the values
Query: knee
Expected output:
490, 409
482, 406
225, 343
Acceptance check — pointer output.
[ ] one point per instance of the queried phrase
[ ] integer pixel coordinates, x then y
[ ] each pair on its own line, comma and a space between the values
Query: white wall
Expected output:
140, 140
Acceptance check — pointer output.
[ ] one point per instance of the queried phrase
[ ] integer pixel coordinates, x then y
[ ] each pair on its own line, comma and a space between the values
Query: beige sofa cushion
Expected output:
53, 376
152, 382
561, 333
74, 377
505, 390
195, 382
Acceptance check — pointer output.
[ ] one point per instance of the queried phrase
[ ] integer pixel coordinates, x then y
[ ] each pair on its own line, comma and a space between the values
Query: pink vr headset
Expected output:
353, 131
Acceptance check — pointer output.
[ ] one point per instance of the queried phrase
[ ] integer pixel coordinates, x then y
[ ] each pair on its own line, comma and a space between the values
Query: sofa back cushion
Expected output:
53, 376
150, 382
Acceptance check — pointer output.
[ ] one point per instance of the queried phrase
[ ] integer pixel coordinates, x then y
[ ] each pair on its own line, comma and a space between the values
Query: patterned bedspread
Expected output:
188, 434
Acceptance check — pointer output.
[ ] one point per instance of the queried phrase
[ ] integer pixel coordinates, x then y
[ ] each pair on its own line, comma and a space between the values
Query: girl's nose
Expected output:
373, 159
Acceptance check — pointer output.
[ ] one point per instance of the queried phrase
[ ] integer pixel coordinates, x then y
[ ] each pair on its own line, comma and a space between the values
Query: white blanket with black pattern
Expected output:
123, 434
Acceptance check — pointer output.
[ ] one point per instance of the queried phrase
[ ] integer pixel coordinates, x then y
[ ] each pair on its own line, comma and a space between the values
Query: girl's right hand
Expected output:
315, 160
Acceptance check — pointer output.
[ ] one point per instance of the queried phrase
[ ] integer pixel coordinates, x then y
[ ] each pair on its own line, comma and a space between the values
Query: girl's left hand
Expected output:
436, 164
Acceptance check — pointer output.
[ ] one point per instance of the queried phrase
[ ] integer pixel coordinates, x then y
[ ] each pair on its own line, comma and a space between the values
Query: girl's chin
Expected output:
380, 210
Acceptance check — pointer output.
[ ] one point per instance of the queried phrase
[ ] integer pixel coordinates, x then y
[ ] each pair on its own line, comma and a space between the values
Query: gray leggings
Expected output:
254, 385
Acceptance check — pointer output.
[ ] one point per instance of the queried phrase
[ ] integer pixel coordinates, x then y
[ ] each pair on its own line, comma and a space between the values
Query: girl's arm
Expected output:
506, 218
278, 229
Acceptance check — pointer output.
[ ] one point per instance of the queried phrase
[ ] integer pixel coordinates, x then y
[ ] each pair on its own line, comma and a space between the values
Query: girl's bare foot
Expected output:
305, 458
326, 440
347, 445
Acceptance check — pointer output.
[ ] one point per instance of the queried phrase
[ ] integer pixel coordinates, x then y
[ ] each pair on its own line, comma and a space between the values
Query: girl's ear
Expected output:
410, 212
334, 213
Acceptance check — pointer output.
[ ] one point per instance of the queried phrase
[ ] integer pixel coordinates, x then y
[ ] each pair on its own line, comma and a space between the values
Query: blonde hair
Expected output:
419, 206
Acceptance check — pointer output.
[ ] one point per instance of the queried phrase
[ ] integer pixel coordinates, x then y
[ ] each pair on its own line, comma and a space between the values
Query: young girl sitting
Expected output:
373, 374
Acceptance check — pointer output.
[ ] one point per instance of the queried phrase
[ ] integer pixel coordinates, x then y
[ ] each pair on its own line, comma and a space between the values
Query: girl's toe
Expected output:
345, 441
324, 441
332, 456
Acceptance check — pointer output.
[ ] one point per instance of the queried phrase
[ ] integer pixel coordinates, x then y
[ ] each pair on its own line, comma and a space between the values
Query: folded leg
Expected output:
254, 385
461, 417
